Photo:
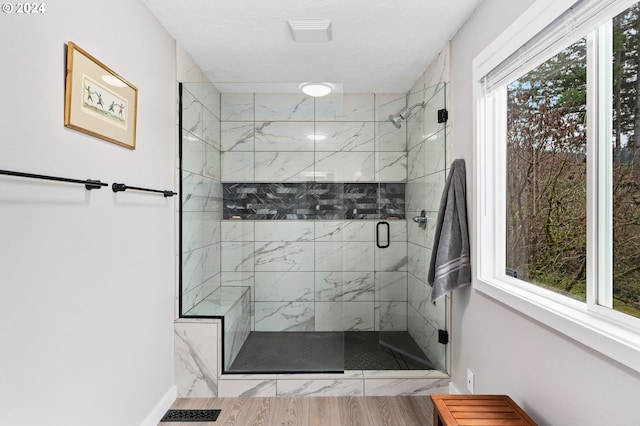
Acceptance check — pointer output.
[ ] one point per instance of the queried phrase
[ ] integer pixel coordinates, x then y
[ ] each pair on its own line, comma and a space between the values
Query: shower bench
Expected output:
455, 410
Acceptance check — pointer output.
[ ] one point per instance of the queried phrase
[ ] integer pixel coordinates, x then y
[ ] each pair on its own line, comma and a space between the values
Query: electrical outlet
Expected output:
470, 381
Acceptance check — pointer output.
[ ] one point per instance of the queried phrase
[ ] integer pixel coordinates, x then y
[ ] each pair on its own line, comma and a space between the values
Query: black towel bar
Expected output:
119, 187
88, 183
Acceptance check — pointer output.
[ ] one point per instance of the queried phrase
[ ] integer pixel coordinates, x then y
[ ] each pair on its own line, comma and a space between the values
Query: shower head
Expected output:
403, 114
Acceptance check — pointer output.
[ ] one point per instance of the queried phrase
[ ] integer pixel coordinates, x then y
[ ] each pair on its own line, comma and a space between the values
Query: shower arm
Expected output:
419, 104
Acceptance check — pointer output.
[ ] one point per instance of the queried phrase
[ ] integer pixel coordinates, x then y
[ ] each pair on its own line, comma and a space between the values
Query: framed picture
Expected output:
98, 101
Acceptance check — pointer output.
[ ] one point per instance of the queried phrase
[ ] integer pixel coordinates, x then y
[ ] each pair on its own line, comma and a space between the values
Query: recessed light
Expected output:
316, 89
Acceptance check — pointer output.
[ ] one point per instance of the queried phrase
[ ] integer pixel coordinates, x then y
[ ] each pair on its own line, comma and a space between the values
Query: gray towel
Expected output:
450, 266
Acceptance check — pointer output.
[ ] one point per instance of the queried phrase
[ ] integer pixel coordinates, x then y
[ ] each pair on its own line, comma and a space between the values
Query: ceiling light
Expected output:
316, 89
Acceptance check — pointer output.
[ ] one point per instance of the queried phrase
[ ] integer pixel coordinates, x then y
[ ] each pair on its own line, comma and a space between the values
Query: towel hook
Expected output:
421, 220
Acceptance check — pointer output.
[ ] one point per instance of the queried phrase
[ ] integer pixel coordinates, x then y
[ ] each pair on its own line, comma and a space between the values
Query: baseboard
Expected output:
453, 390
161, 407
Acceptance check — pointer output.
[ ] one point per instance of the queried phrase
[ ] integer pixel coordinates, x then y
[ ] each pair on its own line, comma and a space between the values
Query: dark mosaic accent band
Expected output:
312, 200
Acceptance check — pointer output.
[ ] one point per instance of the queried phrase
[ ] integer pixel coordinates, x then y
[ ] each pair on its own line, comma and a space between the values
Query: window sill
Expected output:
616, 341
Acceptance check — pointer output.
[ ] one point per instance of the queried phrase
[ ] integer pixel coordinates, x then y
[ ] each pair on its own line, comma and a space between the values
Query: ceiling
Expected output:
377, 46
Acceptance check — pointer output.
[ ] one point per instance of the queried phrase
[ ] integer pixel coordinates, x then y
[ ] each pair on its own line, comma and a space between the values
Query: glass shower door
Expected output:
414, 327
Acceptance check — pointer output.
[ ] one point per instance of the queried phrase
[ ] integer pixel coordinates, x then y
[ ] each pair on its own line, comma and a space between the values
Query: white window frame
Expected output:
593, 324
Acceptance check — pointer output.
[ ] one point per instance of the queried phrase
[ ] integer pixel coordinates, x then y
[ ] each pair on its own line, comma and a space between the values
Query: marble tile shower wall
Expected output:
318, 275
270, 138
201, 192
427, 165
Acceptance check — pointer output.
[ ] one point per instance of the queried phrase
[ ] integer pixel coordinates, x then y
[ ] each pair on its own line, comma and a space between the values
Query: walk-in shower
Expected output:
294, 230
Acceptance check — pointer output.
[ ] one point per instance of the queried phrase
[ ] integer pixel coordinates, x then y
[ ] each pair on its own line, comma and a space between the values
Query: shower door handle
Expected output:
378, 234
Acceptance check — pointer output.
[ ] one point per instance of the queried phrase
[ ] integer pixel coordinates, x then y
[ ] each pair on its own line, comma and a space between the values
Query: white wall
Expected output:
556, 380
86, 277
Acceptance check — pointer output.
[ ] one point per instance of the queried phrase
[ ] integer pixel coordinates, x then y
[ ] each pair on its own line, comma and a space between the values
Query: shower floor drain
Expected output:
191, 416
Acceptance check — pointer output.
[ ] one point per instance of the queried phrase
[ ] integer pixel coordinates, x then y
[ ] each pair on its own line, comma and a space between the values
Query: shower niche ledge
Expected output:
234, 306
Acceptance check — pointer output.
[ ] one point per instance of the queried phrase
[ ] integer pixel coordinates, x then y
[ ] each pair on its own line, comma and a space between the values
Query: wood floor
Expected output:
312, 411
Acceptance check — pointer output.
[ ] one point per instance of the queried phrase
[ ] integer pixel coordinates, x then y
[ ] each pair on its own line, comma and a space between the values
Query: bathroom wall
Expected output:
301, 271
201, 192
555, 379
427, 167
87, 277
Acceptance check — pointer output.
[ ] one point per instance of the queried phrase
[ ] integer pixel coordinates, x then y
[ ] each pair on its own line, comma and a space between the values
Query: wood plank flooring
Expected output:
313, 411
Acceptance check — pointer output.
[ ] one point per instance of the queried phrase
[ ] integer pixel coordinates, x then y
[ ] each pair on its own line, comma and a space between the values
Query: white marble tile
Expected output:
427, 157
246, 388
391, 286
345, 136
192, 153
335, 387
237, 325
284, 166
390, 138
284, 256
359, 316
210, 261
347, 256
237, 107
391, 166
330, 230
424, 122
347, 286
193, 297
237, 136
392, 259
191, 269
238, 166
329, 316
283, 107
192, 198
191, 114
211, 99
272, 230
196, 360
192, 223
212, 162
237, 256
344, 375
345, 166
345, 107
389, 103
284, 316
237, 230
405, 387
398, 230
210, 128
284, 136
211, 194
284, 286
392, 316
425, 193
404, 374
351, 230
418, 261
418, 294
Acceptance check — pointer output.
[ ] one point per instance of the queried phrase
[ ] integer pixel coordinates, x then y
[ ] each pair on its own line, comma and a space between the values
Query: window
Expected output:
557, 216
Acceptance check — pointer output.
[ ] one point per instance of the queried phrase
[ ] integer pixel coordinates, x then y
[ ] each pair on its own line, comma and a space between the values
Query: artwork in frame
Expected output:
98, 101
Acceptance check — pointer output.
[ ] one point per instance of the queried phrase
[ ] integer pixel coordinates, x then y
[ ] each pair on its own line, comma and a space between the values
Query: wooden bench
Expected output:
477, 410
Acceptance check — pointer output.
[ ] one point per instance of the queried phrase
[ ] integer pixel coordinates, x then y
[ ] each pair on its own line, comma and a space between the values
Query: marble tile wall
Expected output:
201, 192
426, 175
313, 200
318, 275
295, 138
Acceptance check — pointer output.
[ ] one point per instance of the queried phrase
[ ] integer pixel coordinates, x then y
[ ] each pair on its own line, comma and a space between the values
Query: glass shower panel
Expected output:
413, 326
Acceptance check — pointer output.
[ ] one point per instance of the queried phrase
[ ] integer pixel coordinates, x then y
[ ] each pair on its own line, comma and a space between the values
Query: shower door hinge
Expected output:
443, 336
443, 115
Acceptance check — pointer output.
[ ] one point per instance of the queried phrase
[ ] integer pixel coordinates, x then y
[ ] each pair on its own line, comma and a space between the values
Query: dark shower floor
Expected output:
270, 352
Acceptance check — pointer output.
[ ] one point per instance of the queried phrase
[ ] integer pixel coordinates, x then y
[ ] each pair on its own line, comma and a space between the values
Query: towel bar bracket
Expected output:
421, 220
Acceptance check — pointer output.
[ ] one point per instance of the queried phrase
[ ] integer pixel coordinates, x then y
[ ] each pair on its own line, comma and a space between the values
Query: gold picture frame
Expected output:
98, 101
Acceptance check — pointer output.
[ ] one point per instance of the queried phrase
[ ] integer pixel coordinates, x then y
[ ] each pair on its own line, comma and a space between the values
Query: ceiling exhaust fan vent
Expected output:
310, 30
